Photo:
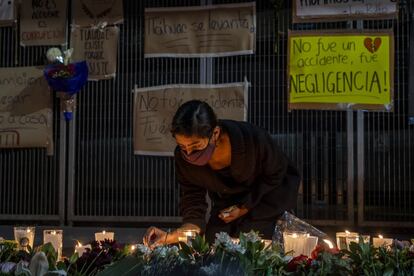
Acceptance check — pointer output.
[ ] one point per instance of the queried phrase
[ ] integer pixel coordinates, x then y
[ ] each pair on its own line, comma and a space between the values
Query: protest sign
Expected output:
7, 12
334, 70
43, 22
201, 31
99, 48
89, 13
337, 10
154, 108
25, 109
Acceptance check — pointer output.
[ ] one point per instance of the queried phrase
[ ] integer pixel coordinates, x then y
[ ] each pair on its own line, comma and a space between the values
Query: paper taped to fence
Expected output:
337, 10
334, 70
89, 13
201, 31
7, 12
43, 22
154, 108
25, 108
99, 48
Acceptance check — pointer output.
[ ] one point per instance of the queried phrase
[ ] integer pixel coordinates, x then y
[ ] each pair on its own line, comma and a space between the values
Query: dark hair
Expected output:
194, 118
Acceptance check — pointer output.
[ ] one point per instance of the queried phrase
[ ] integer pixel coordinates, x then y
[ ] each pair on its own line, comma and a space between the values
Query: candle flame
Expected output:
103, 232
380, 236
79, 244
347, 232
133, 247
28, 230
329, 243
294, 235
53, 232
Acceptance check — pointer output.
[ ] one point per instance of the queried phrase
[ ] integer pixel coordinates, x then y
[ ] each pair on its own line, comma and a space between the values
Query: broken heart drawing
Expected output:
372, 46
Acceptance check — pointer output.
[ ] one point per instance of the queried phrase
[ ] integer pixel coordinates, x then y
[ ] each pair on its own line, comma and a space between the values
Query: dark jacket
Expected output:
262, 177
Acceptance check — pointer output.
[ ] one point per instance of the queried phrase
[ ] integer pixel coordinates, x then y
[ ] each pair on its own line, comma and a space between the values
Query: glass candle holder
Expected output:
187, 235
24, 236
100, 236
294, 242
380, 241
55, 237
343, 239
310, 244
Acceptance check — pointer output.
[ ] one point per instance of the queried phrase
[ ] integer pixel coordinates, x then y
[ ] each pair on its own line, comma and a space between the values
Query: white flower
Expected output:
145, 250
161, 251
173, 250
224, 240
212, 269
252, 236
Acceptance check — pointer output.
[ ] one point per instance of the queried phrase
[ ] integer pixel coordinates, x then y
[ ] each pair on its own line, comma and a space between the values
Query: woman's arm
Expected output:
193, 205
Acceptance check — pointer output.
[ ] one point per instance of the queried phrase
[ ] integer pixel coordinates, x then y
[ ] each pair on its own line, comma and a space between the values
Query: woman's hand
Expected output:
234, 214
155, 237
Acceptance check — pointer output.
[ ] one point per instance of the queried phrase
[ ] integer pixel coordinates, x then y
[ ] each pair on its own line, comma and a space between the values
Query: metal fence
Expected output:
351, 162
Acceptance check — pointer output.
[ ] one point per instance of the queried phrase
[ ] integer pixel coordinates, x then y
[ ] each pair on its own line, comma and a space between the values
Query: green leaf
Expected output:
127, 266
74, 258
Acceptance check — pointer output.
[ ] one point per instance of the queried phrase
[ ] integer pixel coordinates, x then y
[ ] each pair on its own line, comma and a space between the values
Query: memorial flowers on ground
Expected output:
248, 255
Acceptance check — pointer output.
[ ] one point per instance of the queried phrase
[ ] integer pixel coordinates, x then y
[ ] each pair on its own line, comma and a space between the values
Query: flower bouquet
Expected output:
66, 77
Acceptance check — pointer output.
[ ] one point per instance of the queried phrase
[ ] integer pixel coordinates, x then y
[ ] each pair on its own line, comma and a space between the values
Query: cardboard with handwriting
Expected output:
201, 31
25, 109
154, 108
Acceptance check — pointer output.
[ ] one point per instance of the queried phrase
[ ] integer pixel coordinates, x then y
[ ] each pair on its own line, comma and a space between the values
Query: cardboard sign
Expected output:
43, 22
7, 12
92, 12
99, 48
25, 109
154, 108
335, 70
220, 30
330, 10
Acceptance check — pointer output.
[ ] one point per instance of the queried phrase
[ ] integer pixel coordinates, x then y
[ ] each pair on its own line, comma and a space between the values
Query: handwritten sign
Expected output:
43, 22
154, 108
336, 10
89, 13
25, 108
99, 48
219, 30
7, 12
334, 70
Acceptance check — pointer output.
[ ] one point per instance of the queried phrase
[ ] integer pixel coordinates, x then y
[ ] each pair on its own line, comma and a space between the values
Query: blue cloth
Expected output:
70, 85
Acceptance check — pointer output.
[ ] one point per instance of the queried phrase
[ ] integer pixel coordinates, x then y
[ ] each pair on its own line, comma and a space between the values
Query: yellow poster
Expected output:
340, 70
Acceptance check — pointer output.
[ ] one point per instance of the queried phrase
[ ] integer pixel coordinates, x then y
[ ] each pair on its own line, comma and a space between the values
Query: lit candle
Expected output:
381, 241
329, 243
294, 243
55, 237
310, 243
343, 239
24, 236
80, 249
100, 236
267, 243
186, 235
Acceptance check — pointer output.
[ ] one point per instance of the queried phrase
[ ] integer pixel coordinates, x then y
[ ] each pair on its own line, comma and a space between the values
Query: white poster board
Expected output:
327, 10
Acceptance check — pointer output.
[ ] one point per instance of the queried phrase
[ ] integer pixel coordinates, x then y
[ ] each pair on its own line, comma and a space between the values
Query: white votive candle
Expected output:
100, 236
24, 236
294, 243
382, 242
55, 237
344, 238
186, 235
